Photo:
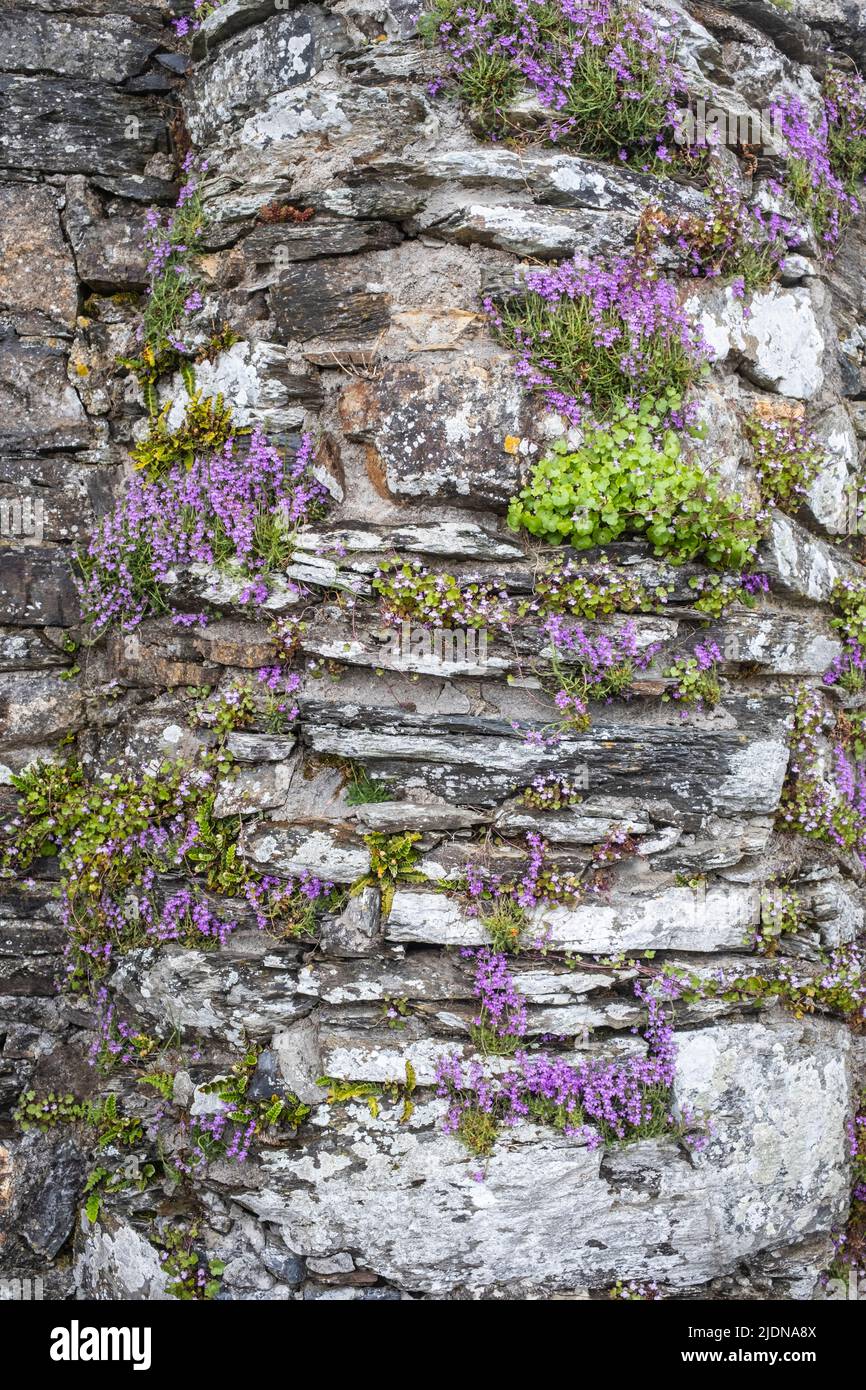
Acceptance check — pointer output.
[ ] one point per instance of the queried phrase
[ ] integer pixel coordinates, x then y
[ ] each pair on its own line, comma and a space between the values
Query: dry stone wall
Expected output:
362, 323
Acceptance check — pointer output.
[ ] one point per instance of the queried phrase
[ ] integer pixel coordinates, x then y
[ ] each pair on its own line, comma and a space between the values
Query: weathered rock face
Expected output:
405, 1198
359, 318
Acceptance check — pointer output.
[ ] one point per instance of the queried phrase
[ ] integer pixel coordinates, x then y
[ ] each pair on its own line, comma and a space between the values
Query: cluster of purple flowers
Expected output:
281, 686
502, 1011
173, 295
231, 1126
838, 989
539, 884
731, 238
550, 791
189, 24
596, 1101
706, 655
786, 456
848, 669
695, 684
586, 591
636, 1292
850, 1243
615, 846
601, 67
601, 659
573, 709
601, 668
273, 900
212, 513
621, 320
115, 1038
826, 798
755, 584
184, 917
813, 175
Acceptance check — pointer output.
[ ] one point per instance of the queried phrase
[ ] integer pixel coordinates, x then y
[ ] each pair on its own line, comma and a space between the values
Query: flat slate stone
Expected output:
38, 287
328, 300
403, 1199
67, 126
37, 587
39, 409
693, 772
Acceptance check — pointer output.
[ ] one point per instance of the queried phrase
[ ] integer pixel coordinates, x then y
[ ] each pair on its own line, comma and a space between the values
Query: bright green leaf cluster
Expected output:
206, 426
632, 480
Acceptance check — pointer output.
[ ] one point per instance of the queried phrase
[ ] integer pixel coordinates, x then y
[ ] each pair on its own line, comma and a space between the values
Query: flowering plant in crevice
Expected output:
226, 710
633, 480
116, 1042
845, 105
835, 988
228, 1132
500, 1022
109, 835
407, 589
104, 1117
117, 839
601, 68
189, 24
850, 1244
848, 669
503, 904
540, 884
552, 792
716, 593
732, 241
288, 906
195, 1276
696, 682
237, 508
395, 1011
616, 845
173, 297
184, 1143
825, 795
786, 457
635, 1292
592, 591
593, 338
597, 1102
585, 668
281, 687
826, 156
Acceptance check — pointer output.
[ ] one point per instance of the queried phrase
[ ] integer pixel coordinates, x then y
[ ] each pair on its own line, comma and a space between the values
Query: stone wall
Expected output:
363, 324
